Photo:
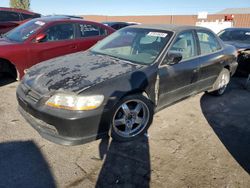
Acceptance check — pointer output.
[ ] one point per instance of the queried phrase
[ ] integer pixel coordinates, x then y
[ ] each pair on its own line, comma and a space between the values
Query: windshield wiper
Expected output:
111, 56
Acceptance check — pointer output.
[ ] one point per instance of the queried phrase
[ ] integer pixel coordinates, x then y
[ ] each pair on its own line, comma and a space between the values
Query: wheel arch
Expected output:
140, 92
228, 68
9, 67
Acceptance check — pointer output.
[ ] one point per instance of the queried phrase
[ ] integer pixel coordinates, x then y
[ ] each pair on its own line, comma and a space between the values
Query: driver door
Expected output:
60, 40
177, 81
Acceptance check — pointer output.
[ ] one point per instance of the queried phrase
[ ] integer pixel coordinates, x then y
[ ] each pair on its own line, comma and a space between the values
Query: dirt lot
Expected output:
203, 141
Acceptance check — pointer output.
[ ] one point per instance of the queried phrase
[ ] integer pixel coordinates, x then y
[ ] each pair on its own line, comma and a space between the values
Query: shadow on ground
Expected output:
127, 164
22, 165
229, 116
6, 79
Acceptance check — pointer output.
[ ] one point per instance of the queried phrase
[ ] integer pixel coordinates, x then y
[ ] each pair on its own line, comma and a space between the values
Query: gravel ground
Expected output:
203, 141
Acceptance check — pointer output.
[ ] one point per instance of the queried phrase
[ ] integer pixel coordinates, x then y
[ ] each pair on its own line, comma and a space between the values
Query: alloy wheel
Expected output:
130, 118
223, 83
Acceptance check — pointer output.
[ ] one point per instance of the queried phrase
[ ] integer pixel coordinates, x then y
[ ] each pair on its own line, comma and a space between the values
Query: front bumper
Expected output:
63, 126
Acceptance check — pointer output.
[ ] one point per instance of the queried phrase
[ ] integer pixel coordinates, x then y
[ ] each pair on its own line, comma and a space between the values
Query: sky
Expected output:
130, 7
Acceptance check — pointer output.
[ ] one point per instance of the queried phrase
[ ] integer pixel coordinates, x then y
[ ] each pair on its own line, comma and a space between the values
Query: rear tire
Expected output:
224, 79
131, 118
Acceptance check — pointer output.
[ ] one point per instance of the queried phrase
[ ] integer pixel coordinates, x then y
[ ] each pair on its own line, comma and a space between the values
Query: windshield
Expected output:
24, 31
134, 44
235, 35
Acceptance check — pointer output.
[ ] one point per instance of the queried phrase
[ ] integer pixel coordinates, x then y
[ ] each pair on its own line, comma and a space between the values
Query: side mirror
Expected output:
40, 37
173, 57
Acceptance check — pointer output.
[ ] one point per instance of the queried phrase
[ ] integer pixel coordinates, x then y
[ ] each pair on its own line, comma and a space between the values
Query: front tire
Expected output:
131, 118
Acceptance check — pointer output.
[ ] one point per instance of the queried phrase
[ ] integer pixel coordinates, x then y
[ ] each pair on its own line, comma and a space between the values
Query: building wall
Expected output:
240, 20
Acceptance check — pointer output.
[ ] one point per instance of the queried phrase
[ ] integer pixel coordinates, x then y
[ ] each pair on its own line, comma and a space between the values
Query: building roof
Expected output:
235, 11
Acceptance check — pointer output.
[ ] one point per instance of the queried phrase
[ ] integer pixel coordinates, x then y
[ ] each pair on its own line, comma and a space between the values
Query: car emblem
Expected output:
26, 90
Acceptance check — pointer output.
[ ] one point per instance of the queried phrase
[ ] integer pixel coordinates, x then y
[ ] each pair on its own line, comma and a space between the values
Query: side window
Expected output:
27, 16
60, 32
116, 26
185, 44
208, 42
89, 30
123, 25
6, 16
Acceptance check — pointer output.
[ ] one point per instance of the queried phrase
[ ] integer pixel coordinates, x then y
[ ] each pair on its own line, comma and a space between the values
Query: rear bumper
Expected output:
233, 67
244, 65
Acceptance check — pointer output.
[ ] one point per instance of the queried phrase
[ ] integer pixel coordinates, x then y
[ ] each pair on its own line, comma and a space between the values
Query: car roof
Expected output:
117, 23
167, 27
62, 19
237, 28
64, 16
16, 10
48, 19
114, 22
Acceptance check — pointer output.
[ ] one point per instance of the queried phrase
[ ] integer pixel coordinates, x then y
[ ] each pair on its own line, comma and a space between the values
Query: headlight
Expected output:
75, 102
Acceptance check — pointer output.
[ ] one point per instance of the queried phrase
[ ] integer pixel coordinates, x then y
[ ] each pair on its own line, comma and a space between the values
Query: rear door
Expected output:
211, 58
179, 80
60, 40
89, 34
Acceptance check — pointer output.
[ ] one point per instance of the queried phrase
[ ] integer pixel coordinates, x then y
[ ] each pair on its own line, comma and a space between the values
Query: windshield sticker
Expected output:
39, 23
157, 34
247, 33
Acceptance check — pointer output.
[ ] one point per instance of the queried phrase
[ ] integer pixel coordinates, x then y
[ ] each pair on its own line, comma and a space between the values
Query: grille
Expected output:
31, 94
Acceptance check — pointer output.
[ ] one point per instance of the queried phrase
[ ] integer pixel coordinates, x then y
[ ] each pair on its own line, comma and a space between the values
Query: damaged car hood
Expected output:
75, 72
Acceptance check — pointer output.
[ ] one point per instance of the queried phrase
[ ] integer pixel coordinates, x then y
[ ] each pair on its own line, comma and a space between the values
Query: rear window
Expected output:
6, 16
235, 35
89, 30
208, 42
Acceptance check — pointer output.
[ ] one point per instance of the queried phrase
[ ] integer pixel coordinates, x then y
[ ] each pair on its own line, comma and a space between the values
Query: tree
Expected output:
23, 4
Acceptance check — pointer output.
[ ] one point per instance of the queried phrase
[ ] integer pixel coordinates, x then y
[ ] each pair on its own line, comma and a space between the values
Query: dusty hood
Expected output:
75, 72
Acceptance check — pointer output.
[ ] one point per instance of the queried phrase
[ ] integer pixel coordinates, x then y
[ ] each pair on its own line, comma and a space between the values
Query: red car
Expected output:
44, 38
12, 17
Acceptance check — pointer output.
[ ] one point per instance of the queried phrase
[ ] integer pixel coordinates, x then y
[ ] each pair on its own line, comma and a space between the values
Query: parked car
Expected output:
119, 25
12, 17
122, 81
45, 38
240, 38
